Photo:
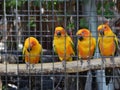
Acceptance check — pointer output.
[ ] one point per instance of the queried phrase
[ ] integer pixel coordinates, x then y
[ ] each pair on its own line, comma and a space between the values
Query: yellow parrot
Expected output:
108, 44
31, 51
86, 44
63, 45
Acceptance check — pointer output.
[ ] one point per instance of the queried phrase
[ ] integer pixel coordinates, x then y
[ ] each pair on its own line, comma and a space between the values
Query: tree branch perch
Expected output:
71, 67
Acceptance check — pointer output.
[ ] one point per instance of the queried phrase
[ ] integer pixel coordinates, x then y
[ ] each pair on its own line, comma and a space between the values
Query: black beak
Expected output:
101, 32
29, 49
58, 34
80, 38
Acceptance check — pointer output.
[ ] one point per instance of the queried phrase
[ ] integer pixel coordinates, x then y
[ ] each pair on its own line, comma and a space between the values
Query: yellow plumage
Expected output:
63, 44
107, 42
86, 44
32, 50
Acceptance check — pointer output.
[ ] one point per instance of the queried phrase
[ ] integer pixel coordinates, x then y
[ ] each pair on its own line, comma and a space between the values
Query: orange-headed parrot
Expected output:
107, 43
32, 51
86, 44
63, 45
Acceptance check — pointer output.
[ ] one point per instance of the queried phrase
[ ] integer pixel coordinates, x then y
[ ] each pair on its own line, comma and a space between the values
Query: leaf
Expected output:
99, 12
12, 3
99, 5
70, 25
108, 14
112, 4
83, 23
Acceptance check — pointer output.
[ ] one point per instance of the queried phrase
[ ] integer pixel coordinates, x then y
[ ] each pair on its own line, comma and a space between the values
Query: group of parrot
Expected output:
64, 47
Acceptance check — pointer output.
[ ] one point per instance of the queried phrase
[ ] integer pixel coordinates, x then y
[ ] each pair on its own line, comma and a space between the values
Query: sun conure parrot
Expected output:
31, 51
63, 45
86, 46
107, 43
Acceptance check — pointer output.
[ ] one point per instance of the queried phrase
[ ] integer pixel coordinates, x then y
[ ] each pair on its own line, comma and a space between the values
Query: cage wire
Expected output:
20, 19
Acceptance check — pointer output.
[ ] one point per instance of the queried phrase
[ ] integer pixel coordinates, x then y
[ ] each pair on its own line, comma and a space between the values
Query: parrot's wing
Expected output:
54, 48
116, 43
41, 51
23, 53
99, 45
72, 44
94, 42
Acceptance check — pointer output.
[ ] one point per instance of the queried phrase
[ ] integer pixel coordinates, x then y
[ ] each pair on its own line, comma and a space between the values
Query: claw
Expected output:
33, 65
89, 63
64, 64
103, 60
81, 61
27, 65
112, 60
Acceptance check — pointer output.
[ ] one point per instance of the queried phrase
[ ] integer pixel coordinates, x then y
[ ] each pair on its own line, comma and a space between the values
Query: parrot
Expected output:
107, 44
86, 46
32, 51
63, 45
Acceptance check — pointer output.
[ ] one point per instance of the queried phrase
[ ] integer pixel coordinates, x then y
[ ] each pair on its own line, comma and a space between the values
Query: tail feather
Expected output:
117, 79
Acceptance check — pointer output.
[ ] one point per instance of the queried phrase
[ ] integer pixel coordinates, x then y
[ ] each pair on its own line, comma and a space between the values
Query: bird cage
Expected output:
41, 47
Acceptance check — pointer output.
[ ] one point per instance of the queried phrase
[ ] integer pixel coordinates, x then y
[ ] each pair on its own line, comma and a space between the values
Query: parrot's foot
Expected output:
103, 63
33, 66
89, 63
103, 60
64, 64
81, 61
28, 66
112, 61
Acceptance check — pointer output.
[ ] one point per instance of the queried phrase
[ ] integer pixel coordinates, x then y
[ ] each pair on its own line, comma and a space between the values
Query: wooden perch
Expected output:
71, 67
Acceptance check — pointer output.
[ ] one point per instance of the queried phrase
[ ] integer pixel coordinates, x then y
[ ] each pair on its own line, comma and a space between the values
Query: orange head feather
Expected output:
30, 43
104, 29
83, 33
59, 31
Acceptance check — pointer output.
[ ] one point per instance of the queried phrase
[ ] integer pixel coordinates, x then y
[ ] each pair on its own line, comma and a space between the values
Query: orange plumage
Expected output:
32, 50
107, 40
107, 43
63, 44
86, 44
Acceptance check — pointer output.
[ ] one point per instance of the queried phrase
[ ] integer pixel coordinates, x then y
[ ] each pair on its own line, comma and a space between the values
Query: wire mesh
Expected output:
20, 19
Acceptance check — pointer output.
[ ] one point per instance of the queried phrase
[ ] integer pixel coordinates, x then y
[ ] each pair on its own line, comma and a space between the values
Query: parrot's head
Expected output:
83, 34
30, 43
59, 31
103, 29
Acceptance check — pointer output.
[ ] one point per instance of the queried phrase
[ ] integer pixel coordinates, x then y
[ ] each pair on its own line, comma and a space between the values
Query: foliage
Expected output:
70, 26
32, 23
12, 3
49, 5
83, 23
105, 8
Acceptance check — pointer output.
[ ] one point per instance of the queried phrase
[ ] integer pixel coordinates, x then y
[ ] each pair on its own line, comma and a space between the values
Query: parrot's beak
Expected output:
101, 32
58, 34
29, 49
80, 37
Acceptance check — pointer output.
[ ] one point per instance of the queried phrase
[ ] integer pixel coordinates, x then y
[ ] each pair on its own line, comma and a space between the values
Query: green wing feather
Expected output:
23, 53
72, 44
116, 43
95, 47
54, 48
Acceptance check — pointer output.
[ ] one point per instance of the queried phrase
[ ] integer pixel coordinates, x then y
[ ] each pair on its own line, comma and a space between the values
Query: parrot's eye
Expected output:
83, 33
105, 27
29, 49
58, 33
